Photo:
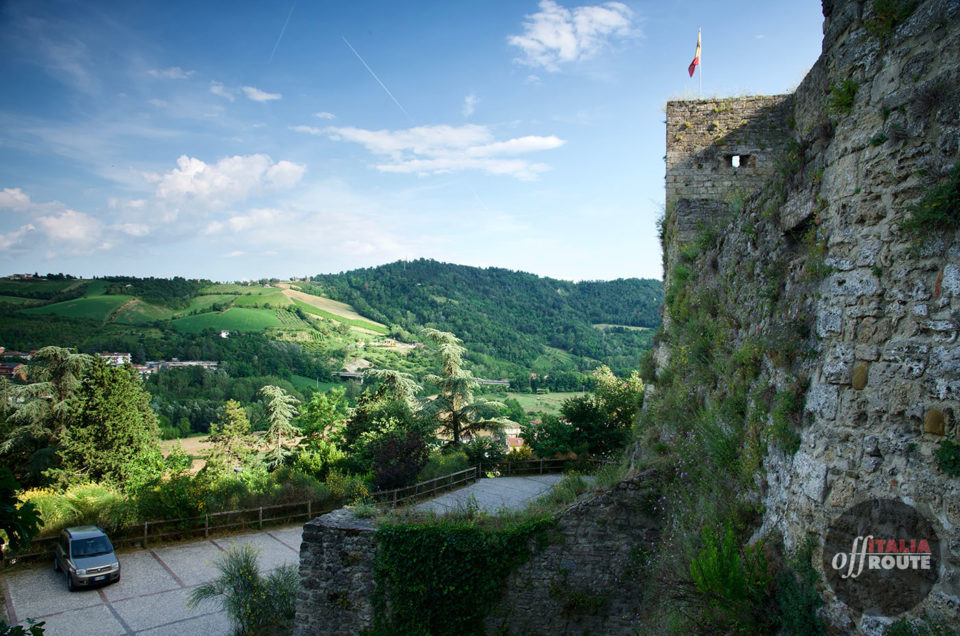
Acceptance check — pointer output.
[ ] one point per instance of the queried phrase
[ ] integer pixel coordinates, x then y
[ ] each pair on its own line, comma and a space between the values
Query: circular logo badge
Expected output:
881, 557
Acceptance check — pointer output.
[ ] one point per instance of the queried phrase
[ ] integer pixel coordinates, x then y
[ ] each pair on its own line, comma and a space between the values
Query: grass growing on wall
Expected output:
938, 209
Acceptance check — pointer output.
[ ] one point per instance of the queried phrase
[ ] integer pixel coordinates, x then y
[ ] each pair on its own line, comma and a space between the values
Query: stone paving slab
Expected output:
140, 573
90, 621
154, 610
273, 553
491, 495
192, 563
206, 625
42, 591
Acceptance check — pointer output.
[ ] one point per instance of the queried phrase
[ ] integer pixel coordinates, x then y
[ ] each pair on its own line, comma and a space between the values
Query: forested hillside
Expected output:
508, 315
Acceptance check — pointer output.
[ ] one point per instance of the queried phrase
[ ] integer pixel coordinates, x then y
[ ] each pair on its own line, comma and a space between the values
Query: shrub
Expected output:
885, 16
485, 450
948, 457
81, 504
840, 100
797, 597
440, 464
256, 604
346, 488
398, 458
733, 585
938, 210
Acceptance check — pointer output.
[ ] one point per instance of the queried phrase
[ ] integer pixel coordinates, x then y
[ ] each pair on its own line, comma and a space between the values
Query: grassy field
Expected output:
19, 301
90, 308
226, 288
139, 312
604, 327
302, 382
274, 297
233, 319
205, 302
548, 403
20, 287
361, 323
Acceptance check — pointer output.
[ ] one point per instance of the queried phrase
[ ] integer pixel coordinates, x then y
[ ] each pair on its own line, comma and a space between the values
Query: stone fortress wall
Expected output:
884, 374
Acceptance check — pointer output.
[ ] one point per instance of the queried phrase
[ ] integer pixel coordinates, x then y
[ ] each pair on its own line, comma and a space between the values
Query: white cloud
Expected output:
73, 230
556, 35
14, 199
133, 229
325, 115
470, 104
230, 179
256, 218
444, 149
218, 89
258, 95
174, 72
310, 130
12, 239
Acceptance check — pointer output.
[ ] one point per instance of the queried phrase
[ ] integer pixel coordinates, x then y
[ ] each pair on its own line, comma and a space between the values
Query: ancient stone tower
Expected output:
720, 148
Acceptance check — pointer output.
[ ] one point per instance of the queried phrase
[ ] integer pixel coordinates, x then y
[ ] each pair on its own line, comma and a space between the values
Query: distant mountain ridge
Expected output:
514, 316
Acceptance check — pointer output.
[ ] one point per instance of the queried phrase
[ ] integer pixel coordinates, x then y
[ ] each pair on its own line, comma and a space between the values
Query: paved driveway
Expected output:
491, 495
151, 596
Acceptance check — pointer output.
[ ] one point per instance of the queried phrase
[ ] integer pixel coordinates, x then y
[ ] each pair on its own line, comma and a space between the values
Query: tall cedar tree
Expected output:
281, 409
115, 436
456, 411
43, 410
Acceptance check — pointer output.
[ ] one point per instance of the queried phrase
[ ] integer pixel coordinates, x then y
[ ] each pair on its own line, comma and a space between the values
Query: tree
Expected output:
19, 522
281, 409
231, 432
115, 436
455, 410
322, 415
42, 410
601, 422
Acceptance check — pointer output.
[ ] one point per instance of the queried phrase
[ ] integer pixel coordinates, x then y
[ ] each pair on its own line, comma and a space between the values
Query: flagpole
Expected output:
700, 76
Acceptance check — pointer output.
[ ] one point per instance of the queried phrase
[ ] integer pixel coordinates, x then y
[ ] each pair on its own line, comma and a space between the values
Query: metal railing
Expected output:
166, 530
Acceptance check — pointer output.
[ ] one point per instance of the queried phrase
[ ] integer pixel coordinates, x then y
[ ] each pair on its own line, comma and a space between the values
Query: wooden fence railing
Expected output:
164, 530
142, 534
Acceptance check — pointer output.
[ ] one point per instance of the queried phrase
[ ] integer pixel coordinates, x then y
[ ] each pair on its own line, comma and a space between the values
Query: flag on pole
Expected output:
696, 58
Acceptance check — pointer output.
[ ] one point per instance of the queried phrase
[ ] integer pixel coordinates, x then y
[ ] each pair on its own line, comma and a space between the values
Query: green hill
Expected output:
508, 320
512, 323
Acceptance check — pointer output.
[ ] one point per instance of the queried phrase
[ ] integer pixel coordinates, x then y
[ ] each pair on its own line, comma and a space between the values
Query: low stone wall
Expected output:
336, 575
587, 579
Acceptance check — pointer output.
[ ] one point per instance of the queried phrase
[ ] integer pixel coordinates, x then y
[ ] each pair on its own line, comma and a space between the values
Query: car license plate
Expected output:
100, 578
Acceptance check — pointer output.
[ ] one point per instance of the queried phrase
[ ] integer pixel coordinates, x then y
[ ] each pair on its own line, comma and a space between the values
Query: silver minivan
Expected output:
85, 556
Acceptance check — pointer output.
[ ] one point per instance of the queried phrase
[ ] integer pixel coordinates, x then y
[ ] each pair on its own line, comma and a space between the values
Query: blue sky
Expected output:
233, 140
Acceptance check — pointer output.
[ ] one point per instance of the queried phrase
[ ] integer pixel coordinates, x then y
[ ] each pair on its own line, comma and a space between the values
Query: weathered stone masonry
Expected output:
884, 380
584, 581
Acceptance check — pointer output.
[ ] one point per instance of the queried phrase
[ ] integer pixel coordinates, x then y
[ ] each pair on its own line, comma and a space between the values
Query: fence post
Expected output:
509, 465
260, 518
541, 466
206, 525
394, 498
145, 533
309, 507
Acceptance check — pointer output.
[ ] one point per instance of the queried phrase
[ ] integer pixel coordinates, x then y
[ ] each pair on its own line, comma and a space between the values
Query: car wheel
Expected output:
56, 564
70, 586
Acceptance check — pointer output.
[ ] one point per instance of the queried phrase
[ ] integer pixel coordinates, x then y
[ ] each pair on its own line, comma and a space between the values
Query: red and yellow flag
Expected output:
696, 58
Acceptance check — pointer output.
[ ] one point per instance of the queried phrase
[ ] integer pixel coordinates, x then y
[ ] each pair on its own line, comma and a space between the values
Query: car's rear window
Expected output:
92, 546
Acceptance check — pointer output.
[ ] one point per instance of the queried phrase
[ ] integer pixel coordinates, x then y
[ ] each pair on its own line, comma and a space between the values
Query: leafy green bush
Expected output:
256, 604
948, 457
786, 416
840, 100
440, 464
443, 578
567, 490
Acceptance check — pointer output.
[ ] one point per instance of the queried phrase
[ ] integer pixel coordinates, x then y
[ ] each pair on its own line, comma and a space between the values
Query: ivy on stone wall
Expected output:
444, 577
